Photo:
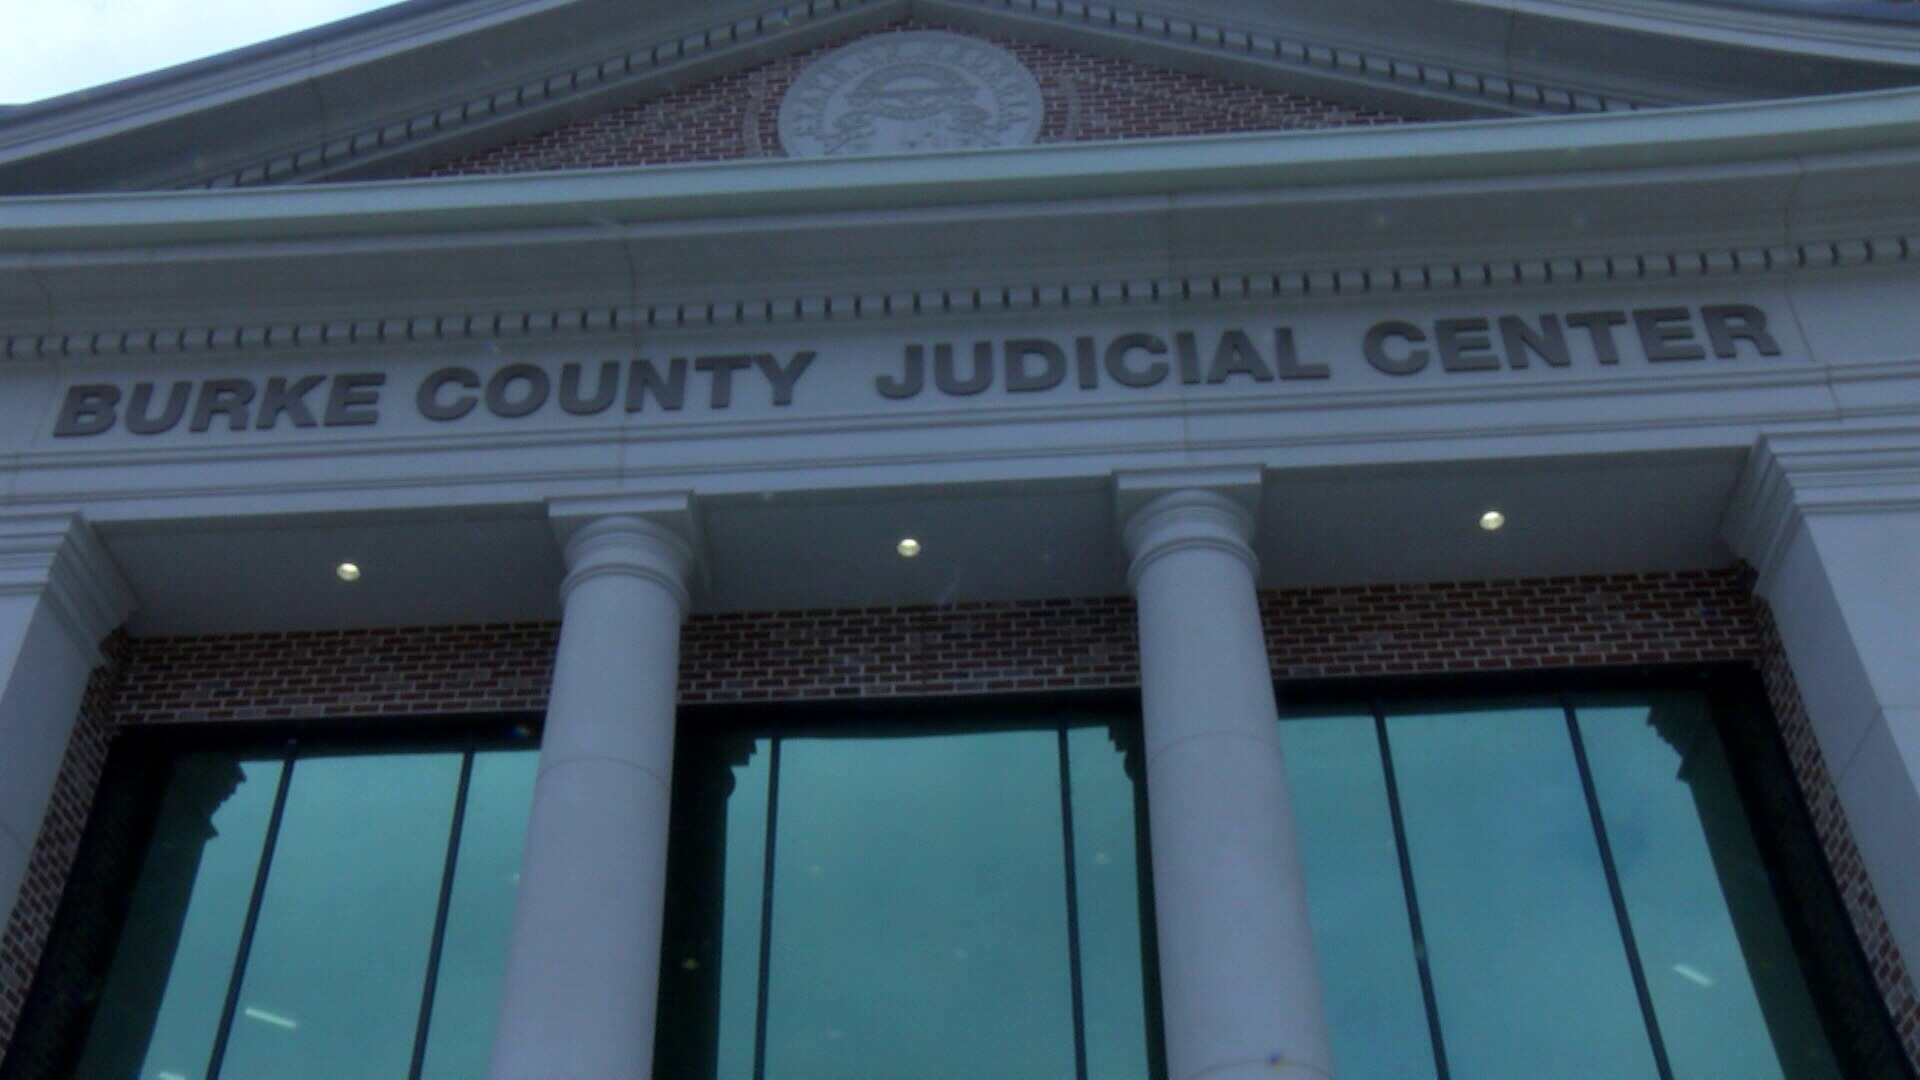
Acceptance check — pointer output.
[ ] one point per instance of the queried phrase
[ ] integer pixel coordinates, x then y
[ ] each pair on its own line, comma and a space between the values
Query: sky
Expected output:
55, 47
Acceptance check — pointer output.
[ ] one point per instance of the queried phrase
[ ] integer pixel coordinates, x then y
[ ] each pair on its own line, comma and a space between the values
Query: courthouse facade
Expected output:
928, 538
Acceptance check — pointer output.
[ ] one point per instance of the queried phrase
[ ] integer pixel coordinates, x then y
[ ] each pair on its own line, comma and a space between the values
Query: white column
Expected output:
1832, 523
1239, 988
60, 594
583, 965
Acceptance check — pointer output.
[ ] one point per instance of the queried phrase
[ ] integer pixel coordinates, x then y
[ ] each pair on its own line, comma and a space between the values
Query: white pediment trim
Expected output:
328, 126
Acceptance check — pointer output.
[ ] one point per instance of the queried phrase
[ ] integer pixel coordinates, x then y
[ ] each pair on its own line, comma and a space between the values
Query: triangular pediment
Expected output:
463, 85
1079, 97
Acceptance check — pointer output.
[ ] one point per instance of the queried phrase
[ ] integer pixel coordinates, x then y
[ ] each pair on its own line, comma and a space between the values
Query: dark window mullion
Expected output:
440, 918
1135, 763
766, 912
1073, 914
232, 1004
1619, 897
1414, 925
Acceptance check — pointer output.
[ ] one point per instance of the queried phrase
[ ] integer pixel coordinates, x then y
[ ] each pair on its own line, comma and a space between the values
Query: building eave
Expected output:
1591, 147
387, 94
1721, 188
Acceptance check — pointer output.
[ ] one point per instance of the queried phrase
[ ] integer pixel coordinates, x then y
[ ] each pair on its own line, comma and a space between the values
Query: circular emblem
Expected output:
916, 90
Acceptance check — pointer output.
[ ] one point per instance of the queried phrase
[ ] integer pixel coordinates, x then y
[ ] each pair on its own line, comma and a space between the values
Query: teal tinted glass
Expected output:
1721, 970
919, 923
745, 870
473, 955
335, 976
161, 1003
1107, 888
1361, 929
962, 901
1580, 893
1529, 969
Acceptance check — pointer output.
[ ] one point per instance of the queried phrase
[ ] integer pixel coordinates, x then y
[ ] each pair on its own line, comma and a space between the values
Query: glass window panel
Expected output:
1725, 982
1107, 881
1361, 930
162, 999
334, 977
919, 923
1530, 974
473, 954
745, 872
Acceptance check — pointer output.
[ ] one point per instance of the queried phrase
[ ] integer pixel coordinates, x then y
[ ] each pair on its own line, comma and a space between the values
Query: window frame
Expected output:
56, 1020
703, 736
1840, 978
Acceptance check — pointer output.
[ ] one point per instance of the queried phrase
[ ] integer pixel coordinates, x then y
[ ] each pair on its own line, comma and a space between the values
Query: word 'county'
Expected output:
518, 390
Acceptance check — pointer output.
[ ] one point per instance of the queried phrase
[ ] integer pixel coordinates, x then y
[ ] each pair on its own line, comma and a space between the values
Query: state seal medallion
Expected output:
915, 90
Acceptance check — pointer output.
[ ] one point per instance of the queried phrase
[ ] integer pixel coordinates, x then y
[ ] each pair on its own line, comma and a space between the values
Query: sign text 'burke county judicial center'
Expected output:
1136, 360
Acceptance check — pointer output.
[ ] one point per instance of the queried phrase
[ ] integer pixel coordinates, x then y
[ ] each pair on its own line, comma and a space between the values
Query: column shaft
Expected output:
583, 967
1239, 985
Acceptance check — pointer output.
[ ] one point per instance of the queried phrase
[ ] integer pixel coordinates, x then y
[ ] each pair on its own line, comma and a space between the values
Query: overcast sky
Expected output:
57, 46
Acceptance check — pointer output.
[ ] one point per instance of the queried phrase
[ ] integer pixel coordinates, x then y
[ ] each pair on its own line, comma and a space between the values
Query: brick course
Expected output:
1449, 628
1086, 98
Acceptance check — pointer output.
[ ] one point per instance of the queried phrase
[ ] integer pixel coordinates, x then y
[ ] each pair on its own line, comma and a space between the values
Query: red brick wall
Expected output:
1509, 625
1086, 98
1836, 838
962, 649
413, 671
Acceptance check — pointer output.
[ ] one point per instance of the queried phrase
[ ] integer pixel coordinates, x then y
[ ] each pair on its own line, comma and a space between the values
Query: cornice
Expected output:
627, 74
1305, 56
992, 298
1806, 134
1804, 33
1744, 190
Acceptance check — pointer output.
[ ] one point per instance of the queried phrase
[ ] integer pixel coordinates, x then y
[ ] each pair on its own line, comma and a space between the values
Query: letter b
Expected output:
88, 410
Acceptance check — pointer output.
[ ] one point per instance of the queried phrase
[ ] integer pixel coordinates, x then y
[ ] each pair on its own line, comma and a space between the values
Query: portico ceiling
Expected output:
980, 542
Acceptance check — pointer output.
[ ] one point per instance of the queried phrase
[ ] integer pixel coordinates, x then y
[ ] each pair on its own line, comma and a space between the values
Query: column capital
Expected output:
654, 537
56, 556
1789, 478
1164, 512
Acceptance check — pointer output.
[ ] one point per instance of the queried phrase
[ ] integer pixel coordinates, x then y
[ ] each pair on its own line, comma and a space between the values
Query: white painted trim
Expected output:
1806, 34
1580, 269
56, 557
1886, 120
1790, 477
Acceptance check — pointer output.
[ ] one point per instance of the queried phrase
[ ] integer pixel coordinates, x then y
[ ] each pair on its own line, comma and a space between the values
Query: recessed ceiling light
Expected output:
347, 571
908, 547
1492, 520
